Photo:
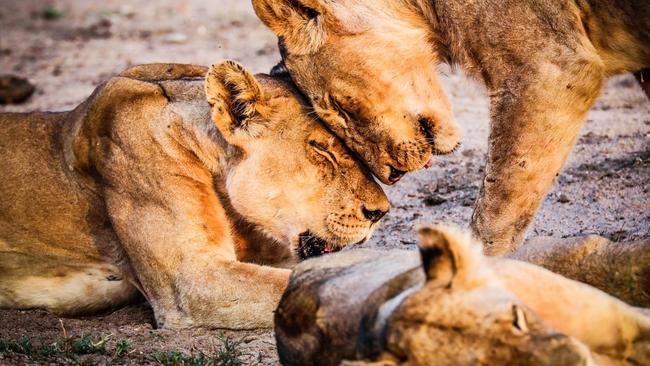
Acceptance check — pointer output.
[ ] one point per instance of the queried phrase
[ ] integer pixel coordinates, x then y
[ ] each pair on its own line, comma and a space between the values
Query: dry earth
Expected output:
603, 189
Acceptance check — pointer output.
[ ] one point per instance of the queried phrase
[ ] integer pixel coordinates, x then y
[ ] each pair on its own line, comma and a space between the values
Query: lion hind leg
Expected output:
68, 290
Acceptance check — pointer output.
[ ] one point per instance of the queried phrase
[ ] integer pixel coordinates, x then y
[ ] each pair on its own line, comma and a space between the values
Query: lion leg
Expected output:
183, 257
534, 124
619, 269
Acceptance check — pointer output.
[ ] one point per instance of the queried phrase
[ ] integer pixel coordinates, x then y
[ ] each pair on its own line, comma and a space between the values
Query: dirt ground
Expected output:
603, 189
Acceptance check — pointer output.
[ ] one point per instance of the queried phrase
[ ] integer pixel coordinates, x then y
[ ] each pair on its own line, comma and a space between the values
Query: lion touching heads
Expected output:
146, 188
369, 69
374, 90
307, 184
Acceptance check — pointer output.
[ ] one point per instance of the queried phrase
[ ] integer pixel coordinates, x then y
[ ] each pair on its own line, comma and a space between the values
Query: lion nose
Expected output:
426, 126
374, 215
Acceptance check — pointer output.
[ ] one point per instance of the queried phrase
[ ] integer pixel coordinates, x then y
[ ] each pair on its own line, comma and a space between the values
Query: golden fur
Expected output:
514, 312
451, 305
369, 69
138, 191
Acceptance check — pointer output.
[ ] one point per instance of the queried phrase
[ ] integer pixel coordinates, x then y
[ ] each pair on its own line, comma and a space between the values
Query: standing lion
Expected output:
369, 69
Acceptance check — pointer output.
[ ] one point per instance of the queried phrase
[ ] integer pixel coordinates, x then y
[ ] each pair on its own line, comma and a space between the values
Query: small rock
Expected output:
428, 189
14, 89
176, 37
51, 13
467, 202
434, 200
100, 29
469, 153
127, 10
563, 198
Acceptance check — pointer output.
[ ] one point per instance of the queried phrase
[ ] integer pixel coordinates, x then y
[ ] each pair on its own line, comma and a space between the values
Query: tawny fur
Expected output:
144, 188
453, 307
543, 62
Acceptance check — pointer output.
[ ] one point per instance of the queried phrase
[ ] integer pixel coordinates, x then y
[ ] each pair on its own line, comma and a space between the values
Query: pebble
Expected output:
434, 200
14, 89
563, 198
176, 37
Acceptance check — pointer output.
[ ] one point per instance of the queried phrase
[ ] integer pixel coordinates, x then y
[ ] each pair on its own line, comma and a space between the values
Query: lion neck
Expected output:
442, 38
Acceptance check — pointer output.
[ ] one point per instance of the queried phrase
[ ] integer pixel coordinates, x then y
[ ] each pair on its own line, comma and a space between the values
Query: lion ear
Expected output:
239, 109
452, 257
438, 261
298, 23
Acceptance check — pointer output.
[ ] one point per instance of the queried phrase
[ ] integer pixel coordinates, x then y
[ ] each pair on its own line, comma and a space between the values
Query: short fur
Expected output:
455, 307
370, 73
145, 188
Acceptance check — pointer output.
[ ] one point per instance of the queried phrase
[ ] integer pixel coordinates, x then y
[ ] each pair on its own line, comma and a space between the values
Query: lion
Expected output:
369, 69
179, 186
451, 305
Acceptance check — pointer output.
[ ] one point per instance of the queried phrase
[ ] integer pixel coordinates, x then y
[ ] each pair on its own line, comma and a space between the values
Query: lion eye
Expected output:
321, 149
343, 113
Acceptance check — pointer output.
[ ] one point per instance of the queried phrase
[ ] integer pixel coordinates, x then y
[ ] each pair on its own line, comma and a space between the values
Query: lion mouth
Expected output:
310, 246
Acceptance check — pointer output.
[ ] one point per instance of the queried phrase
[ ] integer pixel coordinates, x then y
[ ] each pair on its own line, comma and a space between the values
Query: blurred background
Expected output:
67, 47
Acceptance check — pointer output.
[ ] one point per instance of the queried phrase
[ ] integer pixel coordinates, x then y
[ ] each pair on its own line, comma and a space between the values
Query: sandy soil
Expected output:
603, 189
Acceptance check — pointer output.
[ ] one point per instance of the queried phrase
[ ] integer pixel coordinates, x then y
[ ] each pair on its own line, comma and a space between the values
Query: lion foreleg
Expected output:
183, 257
534, 124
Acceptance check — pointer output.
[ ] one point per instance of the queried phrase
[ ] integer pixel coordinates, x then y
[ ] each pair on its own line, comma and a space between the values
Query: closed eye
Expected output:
343, 113
321, 149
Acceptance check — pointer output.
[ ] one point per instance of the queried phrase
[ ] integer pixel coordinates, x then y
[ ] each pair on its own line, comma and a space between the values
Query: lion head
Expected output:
293, 179
463, 306
368, 71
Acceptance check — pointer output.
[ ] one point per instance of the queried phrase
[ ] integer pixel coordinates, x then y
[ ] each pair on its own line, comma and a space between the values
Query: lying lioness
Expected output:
450, 305
147, 188
370, 69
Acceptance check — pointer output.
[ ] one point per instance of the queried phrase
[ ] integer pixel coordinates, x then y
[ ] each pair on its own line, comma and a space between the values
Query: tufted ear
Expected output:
450, 256
298, 23
239, 109
437, 259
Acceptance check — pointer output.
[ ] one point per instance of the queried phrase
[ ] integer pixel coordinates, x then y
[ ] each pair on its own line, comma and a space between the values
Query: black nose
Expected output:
373, 215
280, 70
426, 126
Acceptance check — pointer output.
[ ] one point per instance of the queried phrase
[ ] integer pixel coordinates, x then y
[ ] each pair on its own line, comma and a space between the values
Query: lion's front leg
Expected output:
536, 116
230, 294
179, 246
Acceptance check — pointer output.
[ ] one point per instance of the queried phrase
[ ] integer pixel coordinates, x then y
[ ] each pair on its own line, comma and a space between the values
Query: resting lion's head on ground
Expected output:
294, 180
463, 305
356, 62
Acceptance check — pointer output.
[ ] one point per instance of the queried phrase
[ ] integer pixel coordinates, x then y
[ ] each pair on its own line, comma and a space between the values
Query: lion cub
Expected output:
147, 188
